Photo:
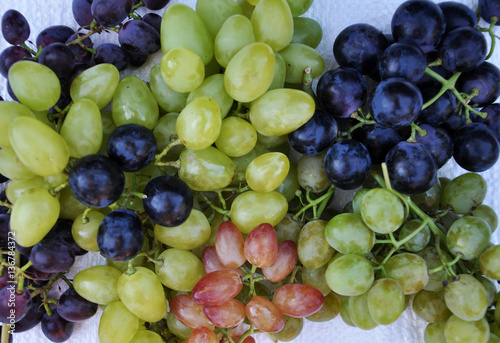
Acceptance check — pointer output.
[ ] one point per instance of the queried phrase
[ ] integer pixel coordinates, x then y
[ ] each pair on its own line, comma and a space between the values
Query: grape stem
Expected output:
31, 51
414, 130
6, 204
493, 21
222, 211
65, 279
5, 333
53, 191
446, 266
85, 218
315, 202
307, 80
167, 149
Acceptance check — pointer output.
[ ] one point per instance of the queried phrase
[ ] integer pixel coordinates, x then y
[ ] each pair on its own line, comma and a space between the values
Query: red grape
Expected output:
217, 287
284, 264
229, 314
264, 315
261, 245
188, 312
229, 245
298, 300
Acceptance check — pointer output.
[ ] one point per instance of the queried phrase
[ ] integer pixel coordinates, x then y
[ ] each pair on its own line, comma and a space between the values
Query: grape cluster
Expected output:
209, 190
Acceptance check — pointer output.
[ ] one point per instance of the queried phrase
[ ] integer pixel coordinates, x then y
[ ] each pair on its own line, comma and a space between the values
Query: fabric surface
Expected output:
333, 17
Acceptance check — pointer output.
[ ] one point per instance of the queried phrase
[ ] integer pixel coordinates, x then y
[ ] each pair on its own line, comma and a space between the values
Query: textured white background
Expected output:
333, 17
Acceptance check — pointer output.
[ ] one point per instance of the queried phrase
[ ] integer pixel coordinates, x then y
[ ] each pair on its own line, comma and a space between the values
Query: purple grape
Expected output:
96, 181
457, 15
360, 46
489, 9
33, 317
137, 60
15, 27
59, 57
54, 34
81, 54
316, 135
132, 146
14, 305
168, 201
62, 232
113, 54
347, 164
74, 308
10, 56
420, 21
110, 13
82, 12
402, 60
485, 79
120, 236
154, 20
155, 4
341, 91
138, 37
378, 140
412, 168
51, 256
493, 118
439, 143
56, 328
429, 81
395, 102
437, 113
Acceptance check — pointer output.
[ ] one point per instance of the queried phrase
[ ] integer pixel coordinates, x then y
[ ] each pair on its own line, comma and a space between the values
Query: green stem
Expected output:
415, 129
445, 85
246, 334
493, 21
315, 202
446, 266
173, 164
58, 189
85, 218
65, 279
5, 333
214, 207
31, 51
5, 204
167, 149
307, 80
130, 268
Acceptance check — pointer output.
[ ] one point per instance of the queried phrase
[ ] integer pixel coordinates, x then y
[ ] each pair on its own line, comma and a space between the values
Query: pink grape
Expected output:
298, 300
229, 314
188, 312
202, 334
229, 245
284, 264
217, 287
264, 315
261, 246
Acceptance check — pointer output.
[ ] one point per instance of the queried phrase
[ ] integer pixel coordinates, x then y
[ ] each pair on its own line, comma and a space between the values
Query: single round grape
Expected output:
266, 172
52, 256
272, 23
284, 263
237, 137
386, 301
192, 233
292, 329
182, 69
56, 328
344, 311
117, 323
229, 314
311, 173
110, 13
189, 312
434, 333
176, 327
235, 33
261, 246
313, 248
180, 270
213, 87
409, 270
430, 306
137, 36
350, 275
468, 237
298, 300
484, 79
97, 83
307, 31
457, 15
14, 305
382, 210
348, 234
402, 60
464, 193
378, 140
458, 330
488, 214
488, 262
264, 315
462, 49
217, 287
439, 143
97, 284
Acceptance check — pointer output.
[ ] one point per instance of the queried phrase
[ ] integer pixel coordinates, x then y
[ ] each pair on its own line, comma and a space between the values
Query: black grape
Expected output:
10, 56
439, 111
137, 60
110, 13
476, 147
485, 79
395, 102
33, 317
341, 91
439, 143
81, 55
62, 232
155, 4
457, 15
132, 146
120, 236
51, 256
169, 200
462, 49
74, 308
488, 9
56, 328
59, 57
316, 135
154, 20
493, 118
347, 164
360, 46
96, 181
420, 21
113, 54
138, 37
13, 305
378, 140
24, 251
402, 60
53, 34
15, 27
82, 12
411, 167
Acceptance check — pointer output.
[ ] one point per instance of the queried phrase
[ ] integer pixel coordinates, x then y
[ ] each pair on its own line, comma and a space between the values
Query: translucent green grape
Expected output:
234, 34
312, 247
97, 83
237, 137
420, 240
488, 214
299, 7
382, 211
298, 57
385, 301
279, 72
272, 23
457, 330
409, 270
348, 234
350, 275
469, 237
359, 311
98, 284
464, 193
266, 172
15, 188
214, 13
182, 69
168, 99
307, 31
117, 324
430, 306
466, 298
213, 87
488, 262
8, 112
180, 269
11, 167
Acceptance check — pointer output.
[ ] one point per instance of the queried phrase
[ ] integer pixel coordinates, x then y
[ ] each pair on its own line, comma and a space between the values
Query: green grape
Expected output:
271, 142
250, 72
235, 33
122, 266
279, 72
348, 234
272, 23
409, 270
290, 185
430, 306
133, 102
165, 133
241, 163
360, 313
316, 278
34, 84
281, 111
142, 293
433, 260
292, 329
11, 167
82, 128
15, 188
213, 87
98, 284
181, 26
176, 327
468, 237
307, 31
329, 310
464, 193
434, 333
43, 117
298, 57
180, 269
108, 126
488, 214
251, 208
429, 200
97, 83
237, 137
33, 215
356, 200
266, 172
420, 240
457, 330
312, 247
117, 324
56, 179
489, 287
493, 339
466, 298
194, 232
299, 7
70, 206
349, 275
199, 123
8, 112
288, 229
38, 147
146, 336
344, 311
168, 99
182, 69
382, 211
488, 262
311, 174
214, 13
495, 328
85, 233
385, 301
